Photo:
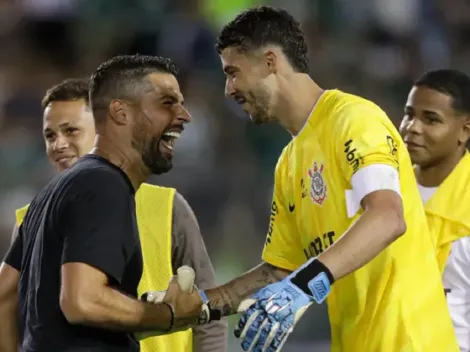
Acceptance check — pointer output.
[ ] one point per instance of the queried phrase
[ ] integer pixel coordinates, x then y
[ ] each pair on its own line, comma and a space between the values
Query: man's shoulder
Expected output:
179, 202
85, 179
338, 101
147, 187
342, 110
283, 161
90, 166
92, 172
150, 193
20, 213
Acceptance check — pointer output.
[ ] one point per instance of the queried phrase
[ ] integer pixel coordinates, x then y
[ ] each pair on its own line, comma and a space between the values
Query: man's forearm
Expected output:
116, 311
365, 239
9, 327
228, 297
9, 278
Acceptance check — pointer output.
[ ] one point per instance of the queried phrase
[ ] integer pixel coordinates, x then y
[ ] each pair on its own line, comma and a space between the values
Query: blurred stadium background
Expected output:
223, 164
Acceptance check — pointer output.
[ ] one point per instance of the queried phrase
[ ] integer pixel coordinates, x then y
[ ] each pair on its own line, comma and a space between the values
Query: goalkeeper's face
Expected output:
251, 82
434, 132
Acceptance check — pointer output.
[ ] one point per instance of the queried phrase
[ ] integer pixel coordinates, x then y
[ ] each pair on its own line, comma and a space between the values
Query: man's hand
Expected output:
185, 279
270, 315
187, 306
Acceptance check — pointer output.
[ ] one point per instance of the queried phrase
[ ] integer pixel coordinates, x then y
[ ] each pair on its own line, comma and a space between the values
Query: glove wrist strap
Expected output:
315, 279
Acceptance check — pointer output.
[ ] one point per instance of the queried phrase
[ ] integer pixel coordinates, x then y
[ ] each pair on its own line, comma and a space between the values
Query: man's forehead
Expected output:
65, 112
424, 97
229, 53
164, 82
77, 104
233, 57
238, 56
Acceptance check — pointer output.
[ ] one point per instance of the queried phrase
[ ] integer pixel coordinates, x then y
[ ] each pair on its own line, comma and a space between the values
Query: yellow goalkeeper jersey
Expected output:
154, 208
396, 302
448, 220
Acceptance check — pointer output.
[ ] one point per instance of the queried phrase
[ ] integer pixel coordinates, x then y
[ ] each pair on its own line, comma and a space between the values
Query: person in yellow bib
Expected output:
168, 230
347, 222
436, 129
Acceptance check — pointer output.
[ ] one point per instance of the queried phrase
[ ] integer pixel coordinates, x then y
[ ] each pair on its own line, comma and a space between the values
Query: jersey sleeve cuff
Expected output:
278, 262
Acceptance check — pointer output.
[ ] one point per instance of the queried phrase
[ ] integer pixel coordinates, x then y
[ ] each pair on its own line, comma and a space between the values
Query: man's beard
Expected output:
260, 113
260, 117
155, 160
152, 156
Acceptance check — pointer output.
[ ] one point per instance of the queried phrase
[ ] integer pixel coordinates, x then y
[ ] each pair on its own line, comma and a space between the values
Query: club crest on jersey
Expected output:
318, 186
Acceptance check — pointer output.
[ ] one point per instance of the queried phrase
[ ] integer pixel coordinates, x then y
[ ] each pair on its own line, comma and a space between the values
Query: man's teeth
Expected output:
172, 137
172, 134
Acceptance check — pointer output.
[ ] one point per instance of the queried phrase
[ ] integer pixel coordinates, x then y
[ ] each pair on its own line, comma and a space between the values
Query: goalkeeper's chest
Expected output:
315, 195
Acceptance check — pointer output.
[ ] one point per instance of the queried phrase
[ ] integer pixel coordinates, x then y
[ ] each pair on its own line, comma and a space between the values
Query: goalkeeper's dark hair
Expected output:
124, 77
69, 90
453, 83
264, 25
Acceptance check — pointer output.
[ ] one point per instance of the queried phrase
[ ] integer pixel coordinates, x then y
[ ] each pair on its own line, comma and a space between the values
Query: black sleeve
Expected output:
14, 256
98, 222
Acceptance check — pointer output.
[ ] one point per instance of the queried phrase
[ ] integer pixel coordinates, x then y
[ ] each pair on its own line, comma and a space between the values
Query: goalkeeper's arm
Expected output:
380, 224
228, 297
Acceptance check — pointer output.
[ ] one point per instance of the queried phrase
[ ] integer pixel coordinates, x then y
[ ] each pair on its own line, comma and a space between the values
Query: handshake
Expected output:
189, 305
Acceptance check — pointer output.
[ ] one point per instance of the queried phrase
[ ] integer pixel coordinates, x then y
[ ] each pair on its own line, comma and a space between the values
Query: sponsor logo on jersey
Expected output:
319, 244
353, 157
318, 189
392, 145
272, 219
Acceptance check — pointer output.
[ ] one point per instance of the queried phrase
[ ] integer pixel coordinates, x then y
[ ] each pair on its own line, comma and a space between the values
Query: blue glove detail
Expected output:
272, 315
320, 287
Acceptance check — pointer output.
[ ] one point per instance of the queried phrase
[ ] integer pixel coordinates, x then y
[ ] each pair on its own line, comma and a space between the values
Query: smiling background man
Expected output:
436, 129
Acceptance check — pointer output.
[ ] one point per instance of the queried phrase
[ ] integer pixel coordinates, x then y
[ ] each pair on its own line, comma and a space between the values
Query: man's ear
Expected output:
119, 112
272, 60
465, 131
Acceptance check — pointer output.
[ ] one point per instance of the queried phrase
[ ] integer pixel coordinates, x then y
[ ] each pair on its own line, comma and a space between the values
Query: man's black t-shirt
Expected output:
87, 215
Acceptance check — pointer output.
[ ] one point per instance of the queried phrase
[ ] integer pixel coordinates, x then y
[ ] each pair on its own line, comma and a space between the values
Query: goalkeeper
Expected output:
347, 222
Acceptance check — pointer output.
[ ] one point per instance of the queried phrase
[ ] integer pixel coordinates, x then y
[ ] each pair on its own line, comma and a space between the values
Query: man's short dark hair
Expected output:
68, 90
450, 82
121, 78
265, 25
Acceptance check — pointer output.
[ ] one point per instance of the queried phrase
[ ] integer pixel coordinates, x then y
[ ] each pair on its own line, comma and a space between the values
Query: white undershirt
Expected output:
426, 192
456, 280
